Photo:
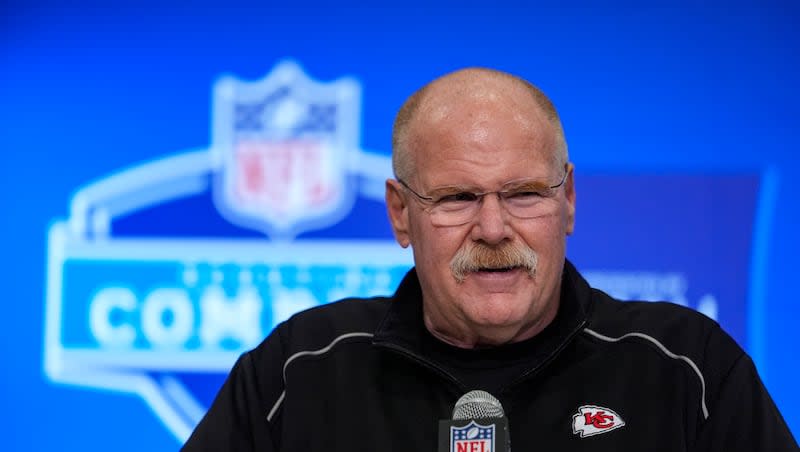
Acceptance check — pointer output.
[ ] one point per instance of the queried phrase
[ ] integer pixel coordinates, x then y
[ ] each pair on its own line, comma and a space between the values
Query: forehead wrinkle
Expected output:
470, 168
449, 126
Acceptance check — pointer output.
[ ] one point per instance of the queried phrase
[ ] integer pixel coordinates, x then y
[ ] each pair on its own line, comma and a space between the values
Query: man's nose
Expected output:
492, 222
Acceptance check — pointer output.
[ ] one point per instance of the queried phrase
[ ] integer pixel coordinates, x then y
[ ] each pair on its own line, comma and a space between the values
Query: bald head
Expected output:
467, 88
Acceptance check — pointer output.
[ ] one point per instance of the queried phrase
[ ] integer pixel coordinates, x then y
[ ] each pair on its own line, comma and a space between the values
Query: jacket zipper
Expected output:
529, 373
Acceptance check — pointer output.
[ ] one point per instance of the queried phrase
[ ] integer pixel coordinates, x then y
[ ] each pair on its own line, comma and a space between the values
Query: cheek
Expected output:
434, 247
547, 239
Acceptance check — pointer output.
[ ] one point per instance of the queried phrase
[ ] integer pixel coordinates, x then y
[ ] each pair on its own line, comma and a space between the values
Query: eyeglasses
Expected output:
455, 206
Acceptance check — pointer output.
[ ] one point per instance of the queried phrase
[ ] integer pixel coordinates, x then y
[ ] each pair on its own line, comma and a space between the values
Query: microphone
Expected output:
478, 425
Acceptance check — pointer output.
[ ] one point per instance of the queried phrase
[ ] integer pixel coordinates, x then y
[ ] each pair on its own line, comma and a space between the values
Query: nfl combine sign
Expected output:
165, 315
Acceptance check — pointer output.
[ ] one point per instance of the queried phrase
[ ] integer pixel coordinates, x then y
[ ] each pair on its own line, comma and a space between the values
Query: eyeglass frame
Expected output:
430, 201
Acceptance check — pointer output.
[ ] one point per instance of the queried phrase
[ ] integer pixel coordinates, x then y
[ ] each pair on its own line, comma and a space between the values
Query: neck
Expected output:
463, 334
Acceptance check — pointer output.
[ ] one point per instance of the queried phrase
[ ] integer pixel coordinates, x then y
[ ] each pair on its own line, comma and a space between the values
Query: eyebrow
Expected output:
453, 189
530, 183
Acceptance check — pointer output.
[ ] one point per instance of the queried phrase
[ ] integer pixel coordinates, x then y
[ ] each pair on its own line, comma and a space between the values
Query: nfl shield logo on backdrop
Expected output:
472, 437
283, 146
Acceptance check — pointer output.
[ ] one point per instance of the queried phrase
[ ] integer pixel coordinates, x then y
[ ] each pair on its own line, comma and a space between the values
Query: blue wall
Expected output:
90, 88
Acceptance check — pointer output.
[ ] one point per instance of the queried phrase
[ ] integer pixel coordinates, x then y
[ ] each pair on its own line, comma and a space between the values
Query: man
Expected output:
485, 196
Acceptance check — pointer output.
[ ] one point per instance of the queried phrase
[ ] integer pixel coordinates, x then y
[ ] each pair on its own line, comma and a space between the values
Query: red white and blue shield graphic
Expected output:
472, 437
283, 147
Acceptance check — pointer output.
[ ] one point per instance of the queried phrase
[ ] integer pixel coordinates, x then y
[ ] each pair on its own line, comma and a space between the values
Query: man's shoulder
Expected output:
646, 314
347, 319
674, 328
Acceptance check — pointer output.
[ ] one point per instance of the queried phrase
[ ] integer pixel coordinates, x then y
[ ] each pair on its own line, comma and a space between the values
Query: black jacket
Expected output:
353, 376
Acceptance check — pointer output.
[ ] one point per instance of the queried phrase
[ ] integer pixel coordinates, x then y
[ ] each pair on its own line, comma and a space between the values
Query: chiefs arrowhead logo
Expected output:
594, 420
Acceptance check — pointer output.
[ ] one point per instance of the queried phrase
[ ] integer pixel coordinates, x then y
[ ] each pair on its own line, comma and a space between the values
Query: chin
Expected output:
498, 310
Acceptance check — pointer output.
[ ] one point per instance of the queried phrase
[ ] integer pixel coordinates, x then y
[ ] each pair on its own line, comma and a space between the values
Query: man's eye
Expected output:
525, 194
458, 198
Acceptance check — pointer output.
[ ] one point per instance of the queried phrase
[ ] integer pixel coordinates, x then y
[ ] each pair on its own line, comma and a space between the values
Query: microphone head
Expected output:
477, 404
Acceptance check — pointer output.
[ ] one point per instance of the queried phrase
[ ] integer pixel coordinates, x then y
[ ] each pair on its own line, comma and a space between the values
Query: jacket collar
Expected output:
403, 325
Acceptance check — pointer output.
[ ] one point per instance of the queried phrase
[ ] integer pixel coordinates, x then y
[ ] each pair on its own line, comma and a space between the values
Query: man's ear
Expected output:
569, 190
398, 212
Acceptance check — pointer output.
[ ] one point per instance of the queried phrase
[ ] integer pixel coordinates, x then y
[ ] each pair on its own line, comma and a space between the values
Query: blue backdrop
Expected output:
694, 106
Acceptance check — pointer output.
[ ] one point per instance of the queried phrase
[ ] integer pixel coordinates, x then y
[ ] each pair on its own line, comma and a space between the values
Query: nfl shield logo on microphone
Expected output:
472, 437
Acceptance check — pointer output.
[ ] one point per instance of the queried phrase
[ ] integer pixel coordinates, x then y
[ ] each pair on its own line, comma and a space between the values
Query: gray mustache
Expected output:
478, 256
